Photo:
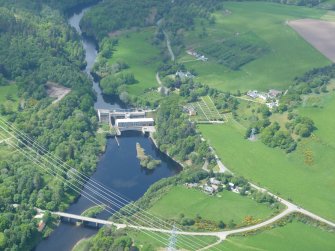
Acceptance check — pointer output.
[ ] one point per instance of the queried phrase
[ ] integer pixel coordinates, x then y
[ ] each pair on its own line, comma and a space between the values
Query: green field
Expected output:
191, 202
136, 50
155, 241
294, 236
323, 116
8, 90
311, 186
287, 56
142, 239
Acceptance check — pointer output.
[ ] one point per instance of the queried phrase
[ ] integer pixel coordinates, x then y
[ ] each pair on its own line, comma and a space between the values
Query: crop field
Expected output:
286, 54
319, 33
293, 236
136, 50
293, 176
191, 202
206, 110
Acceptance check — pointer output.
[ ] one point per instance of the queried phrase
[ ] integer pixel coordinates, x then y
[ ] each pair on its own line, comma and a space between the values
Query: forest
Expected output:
129, 14
38, 46
177, 136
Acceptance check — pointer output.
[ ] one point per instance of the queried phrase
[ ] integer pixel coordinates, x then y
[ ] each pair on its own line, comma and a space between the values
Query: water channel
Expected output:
118, 168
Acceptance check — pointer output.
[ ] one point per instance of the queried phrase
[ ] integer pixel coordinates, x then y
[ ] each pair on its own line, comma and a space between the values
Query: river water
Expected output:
118, 168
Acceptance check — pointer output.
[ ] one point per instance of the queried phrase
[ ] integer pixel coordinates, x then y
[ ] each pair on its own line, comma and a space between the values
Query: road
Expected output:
168, 44
161, 86
294, 207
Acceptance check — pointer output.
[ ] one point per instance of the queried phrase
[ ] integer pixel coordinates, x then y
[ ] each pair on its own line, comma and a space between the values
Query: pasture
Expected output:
142, 239
226, 207
287, 55
135, 49
307, 183
323, 117
292, 236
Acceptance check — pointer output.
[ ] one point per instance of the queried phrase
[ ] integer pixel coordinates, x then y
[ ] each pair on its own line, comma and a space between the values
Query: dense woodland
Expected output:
177, 136
173, 15
38, 46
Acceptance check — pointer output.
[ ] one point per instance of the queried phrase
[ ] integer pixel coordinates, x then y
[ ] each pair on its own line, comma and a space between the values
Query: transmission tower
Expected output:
173, 240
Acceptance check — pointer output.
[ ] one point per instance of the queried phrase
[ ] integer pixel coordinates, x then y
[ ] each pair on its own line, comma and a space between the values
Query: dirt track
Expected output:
320, 34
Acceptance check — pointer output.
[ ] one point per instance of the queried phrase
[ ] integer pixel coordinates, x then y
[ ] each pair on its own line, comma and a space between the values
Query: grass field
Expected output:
191, 202
136, 50
294, 236
323, 116
154, 241
311, 186
183, 242
8, 90
288, 55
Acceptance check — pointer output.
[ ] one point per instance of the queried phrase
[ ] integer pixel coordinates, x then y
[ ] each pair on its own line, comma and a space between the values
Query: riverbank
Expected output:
118, 168
166, 153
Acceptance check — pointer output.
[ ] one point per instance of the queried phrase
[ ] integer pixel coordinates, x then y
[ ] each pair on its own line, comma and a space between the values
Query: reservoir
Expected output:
118, 168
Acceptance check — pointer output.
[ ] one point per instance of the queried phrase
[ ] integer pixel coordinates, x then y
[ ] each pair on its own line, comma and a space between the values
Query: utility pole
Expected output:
173, 240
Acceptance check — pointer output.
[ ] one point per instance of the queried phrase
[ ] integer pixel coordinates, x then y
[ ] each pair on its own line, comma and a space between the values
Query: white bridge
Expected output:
128, 120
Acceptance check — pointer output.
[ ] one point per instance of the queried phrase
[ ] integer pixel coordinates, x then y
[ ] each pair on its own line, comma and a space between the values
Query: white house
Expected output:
214, 181
252, 94
208, 189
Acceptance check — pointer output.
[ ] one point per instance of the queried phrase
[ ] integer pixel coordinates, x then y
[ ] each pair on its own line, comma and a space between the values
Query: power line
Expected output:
84, 194
86, 180
106, 199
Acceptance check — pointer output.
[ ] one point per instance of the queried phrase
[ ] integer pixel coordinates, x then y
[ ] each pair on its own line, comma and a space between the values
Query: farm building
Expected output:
190, 110
184, 75
252, 94
208, 189
274, 93
214, 181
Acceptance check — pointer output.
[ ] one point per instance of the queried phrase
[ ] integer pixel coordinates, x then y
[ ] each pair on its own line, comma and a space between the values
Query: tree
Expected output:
221, 225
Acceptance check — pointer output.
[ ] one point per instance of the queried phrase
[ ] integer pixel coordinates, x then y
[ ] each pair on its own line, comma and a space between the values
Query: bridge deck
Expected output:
88, 219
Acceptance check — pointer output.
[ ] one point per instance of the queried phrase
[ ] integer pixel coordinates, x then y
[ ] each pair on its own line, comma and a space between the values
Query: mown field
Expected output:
311, 186
190, 202
293, 236
287, 55
136, 50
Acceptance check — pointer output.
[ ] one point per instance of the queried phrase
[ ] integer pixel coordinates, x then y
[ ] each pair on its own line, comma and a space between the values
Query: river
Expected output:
118, 167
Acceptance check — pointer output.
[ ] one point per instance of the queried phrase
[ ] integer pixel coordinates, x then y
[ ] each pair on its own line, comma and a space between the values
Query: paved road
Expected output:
294, 207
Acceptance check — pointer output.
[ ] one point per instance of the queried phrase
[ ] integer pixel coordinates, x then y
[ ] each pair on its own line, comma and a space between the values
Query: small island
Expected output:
146, 161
